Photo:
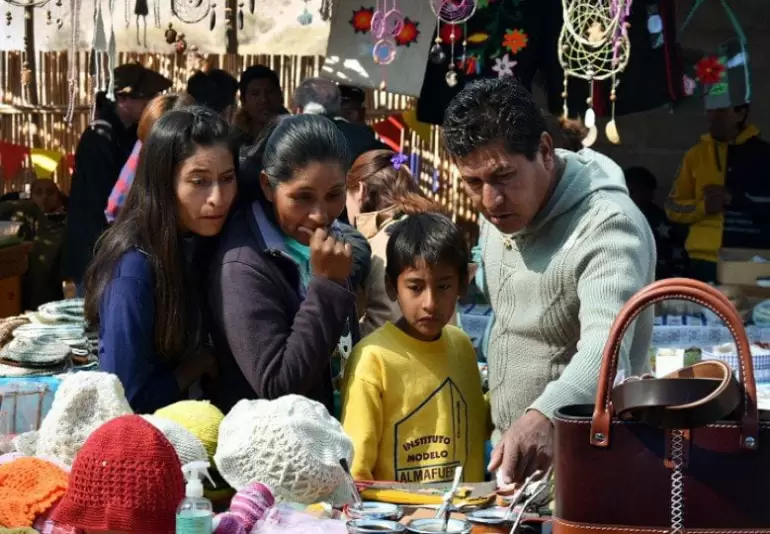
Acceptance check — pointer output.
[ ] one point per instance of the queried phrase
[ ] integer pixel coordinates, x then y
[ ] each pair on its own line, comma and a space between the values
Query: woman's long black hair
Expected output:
290, 143
149, 221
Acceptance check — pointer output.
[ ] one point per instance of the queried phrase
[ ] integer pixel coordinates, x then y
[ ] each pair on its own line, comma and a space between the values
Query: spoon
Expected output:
444, 510
351, 484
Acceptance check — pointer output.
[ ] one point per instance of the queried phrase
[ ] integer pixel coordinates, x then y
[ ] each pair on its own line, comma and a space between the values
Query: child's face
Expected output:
427, 295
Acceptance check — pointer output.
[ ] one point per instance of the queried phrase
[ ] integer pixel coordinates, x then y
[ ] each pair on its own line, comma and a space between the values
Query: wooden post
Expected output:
31, 58
232, 37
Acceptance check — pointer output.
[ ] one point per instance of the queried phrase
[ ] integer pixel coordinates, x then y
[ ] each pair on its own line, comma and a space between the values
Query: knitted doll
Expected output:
127, 478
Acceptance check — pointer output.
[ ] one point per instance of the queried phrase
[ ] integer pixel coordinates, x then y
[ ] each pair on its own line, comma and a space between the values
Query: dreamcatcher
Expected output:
387, 23
194, 11
594, 46
452, 13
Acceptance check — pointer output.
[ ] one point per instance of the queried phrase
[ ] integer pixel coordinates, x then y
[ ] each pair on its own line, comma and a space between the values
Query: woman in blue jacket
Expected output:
143, 285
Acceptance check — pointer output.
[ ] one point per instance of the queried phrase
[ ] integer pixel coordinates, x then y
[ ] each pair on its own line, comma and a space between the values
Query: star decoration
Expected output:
504, 66
664, 231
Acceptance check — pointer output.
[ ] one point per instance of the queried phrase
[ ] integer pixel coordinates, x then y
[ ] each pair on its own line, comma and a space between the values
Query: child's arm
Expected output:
362, 415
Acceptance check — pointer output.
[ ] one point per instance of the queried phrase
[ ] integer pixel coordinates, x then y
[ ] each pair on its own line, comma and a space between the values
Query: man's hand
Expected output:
715, 198
524, 448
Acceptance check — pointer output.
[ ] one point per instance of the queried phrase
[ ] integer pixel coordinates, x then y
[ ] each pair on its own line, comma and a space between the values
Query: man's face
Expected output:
131, 108
262, 100
508, 189
353, 111
724, 123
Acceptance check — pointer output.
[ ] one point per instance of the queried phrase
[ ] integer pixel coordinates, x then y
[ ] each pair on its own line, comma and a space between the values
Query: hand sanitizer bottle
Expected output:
195, 513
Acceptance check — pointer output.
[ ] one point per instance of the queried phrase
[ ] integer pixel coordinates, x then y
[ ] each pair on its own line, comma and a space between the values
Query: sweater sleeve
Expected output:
279, 353
362, 414
618, 259
126, 314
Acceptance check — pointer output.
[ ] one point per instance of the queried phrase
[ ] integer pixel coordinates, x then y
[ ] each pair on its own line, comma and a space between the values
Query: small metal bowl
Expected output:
374, 510
491, 516
374, 526
431, 526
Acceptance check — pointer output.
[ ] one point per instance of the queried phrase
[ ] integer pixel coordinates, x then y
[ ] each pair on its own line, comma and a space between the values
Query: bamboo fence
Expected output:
43, 126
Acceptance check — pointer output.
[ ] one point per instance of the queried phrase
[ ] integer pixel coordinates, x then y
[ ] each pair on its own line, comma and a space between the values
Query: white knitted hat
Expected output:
187, 446
291, 444
83, 402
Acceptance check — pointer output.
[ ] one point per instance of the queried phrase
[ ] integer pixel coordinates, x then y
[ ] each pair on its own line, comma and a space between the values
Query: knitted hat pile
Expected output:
83, 402
188, 448
201, 418
290, 444
126, 477
28, 487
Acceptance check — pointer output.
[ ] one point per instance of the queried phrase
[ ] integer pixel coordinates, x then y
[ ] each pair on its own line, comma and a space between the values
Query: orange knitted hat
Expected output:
28, 488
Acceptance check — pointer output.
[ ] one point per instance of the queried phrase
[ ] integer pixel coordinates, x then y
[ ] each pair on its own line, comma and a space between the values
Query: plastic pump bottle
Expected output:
195, 513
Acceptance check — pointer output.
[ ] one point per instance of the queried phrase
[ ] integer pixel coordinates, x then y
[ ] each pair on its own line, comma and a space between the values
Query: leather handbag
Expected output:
689, 452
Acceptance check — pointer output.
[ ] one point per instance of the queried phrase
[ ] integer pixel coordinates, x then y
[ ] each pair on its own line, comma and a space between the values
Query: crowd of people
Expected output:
235, 249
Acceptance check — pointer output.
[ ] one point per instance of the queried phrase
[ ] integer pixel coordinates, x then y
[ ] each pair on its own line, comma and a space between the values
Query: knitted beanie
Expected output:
251, 503
188, 448
126, 477
291, 444
83, 402
28, 487
23, 530
201, 418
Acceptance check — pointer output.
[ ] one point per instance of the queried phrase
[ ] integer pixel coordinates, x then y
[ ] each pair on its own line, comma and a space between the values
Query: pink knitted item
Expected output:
229, 523
251, 503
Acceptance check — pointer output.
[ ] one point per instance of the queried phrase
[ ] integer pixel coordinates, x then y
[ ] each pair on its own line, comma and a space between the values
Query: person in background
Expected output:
418, 376
143, 286
215, 89
381, 191
46, 194
101, 152
323, 97
261, 101
718, 193
154, 111
280, 293
669, 237
563, 249
353, 104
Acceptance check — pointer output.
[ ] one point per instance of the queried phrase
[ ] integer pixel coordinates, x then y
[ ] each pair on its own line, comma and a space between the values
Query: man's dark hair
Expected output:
493, 110
318, 96
214, 89
642, 176
430, 237
257, 72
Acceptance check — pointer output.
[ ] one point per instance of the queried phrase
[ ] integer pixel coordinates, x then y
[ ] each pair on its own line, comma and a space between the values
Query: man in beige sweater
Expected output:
563, 247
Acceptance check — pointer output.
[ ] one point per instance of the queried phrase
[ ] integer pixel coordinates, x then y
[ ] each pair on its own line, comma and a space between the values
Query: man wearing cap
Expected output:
721, 191
353, 104
101, 152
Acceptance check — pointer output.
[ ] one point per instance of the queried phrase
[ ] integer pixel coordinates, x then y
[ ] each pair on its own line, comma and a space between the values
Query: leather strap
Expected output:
672, 289
691, 397
567, 527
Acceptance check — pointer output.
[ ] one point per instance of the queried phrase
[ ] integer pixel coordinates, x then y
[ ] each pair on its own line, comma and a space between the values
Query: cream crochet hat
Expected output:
291, 444
83, 402
187, 446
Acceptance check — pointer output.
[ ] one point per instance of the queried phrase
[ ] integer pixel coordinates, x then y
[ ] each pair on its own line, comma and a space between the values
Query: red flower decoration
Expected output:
448, 30
409, 33
362, 19
709, 70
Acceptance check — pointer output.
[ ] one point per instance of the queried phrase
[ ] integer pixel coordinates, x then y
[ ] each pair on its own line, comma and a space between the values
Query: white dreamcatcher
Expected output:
594, 46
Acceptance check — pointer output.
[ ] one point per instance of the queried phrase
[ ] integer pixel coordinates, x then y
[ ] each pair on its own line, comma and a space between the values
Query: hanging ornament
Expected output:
252, 6
59, 24
305, 18
8, 18
240, 16
58, 3
213, 17
48, 18
170, 34
181, 44
451, 77
594, 46
436, 54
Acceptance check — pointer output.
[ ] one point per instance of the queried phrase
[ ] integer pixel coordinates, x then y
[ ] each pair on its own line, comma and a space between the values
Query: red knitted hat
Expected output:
126, 477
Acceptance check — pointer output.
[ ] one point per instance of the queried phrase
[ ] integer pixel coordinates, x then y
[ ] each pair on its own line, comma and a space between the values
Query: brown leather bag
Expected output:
686, 453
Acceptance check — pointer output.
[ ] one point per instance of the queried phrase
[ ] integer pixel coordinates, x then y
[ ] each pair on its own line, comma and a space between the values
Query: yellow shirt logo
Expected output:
421, 457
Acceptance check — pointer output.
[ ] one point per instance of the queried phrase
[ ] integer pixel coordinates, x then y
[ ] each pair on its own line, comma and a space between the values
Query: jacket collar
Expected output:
370, 223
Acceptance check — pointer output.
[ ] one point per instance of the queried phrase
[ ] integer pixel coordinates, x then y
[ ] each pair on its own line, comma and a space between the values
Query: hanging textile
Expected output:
12, 158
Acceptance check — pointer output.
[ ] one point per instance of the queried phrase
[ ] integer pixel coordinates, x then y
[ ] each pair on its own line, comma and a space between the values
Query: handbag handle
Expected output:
674, 289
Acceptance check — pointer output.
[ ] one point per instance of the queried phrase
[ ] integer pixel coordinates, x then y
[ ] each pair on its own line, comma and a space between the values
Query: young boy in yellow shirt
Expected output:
412, 398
